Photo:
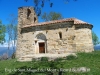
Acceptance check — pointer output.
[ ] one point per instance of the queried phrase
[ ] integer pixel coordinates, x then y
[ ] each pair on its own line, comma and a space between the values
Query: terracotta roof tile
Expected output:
76, 21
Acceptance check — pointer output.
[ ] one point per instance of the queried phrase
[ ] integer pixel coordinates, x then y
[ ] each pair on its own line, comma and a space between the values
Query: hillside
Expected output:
43, 67
97, 47
5, 49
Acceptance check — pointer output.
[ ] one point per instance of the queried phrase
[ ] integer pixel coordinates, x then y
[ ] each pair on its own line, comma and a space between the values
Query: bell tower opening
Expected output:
34, 19
28, 13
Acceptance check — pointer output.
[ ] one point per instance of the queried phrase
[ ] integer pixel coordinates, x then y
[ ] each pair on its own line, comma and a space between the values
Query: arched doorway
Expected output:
40, 41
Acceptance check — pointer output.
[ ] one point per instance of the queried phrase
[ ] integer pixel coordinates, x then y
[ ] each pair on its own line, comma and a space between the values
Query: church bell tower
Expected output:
26, 16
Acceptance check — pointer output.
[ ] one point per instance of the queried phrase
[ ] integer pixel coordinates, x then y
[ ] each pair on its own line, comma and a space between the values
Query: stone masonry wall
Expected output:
26, 15
73, 40
59, 38
55, 45
64, 45
84, 39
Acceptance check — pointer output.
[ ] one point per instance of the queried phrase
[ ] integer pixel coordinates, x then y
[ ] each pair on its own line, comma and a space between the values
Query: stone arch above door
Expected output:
40, 36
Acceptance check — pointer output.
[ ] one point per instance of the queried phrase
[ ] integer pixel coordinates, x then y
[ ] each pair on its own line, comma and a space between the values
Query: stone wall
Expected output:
26, 15
63, 45
54, 43
84, 39
59, 38
73, 39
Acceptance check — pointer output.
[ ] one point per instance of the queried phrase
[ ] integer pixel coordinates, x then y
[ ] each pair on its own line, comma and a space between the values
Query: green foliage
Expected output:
95, 39
2, 33
71, 57
59, 59
51, 16
44, 59
89, 60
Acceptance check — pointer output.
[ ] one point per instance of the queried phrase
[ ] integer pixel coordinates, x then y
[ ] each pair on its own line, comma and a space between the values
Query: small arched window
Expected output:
28, 13
60, 35
34, 19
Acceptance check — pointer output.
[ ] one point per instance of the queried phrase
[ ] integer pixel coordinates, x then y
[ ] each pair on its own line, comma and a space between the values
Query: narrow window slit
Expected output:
60, 35
28, 13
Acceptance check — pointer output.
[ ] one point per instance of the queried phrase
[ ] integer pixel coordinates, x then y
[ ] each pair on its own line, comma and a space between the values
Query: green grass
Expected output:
89, 60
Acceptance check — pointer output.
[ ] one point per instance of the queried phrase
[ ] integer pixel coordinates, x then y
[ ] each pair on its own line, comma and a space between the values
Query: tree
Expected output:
39, 4
15, 34
11, 30
95, 39
2, 33
51, 16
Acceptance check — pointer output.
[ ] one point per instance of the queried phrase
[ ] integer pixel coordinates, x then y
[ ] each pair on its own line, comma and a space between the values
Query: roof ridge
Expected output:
75, 20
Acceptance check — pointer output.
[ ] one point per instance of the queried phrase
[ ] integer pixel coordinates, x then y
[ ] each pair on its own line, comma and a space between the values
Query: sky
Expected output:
86, 10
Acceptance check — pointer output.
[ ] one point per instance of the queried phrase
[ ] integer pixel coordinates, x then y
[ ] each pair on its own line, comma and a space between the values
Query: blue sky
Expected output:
86, 10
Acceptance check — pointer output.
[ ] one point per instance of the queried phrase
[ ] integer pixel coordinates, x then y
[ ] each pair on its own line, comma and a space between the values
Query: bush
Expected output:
44, 58
0, 58
13, 56
4, 56
59, 59
34, 59
71, 57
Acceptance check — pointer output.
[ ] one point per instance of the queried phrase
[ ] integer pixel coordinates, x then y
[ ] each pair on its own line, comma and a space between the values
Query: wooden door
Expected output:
41, 47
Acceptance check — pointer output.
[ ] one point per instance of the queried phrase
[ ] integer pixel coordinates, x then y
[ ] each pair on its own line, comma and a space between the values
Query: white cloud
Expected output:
6, 44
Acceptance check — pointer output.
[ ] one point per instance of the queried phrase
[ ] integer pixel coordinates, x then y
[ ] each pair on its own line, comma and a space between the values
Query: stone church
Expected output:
56, 37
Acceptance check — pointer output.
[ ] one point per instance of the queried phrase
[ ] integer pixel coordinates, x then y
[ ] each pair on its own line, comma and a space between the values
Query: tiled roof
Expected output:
76, 21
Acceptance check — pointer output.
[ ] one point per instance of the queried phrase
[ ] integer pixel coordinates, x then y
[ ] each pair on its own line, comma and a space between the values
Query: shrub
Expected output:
59, 59
71, 57
0, 58
34, 59
44, 58
13, 56
4, 56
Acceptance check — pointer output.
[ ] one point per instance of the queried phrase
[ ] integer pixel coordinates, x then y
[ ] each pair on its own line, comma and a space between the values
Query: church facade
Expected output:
54, 37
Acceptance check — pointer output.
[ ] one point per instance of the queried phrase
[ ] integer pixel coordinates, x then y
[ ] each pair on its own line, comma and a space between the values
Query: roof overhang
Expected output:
74, 21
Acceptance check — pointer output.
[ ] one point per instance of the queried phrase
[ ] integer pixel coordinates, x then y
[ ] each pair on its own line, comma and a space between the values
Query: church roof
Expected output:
75, 20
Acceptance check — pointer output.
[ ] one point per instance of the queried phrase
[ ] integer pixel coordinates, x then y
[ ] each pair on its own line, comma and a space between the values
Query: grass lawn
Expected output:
89, 60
